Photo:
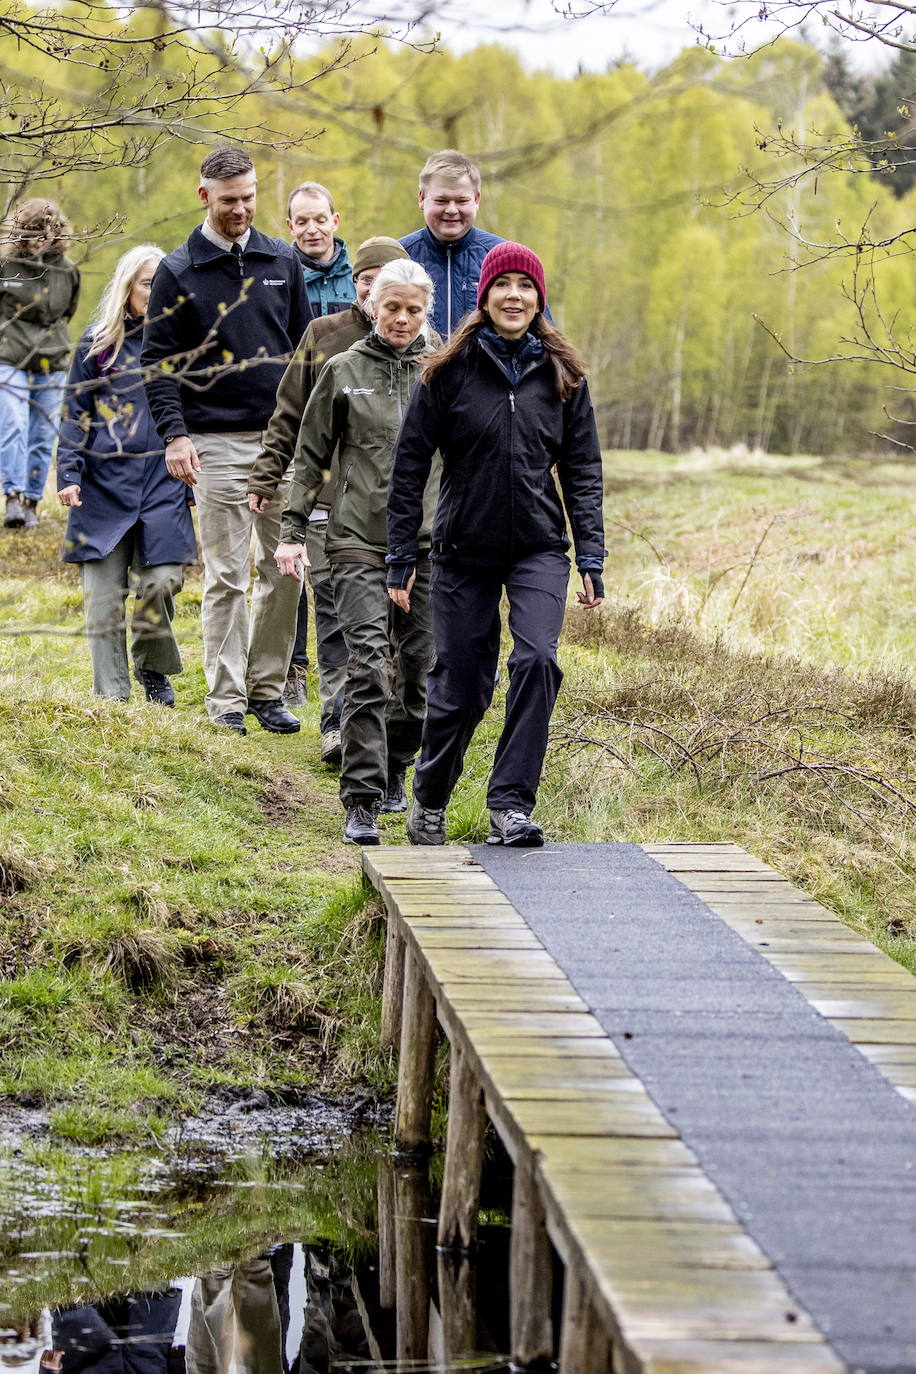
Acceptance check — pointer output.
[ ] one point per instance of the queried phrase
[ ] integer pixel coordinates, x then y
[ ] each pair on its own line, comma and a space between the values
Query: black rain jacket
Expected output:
499, 442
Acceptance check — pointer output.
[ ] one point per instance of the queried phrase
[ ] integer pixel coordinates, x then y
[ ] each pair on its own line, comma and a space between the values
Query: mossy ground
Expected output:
179, 911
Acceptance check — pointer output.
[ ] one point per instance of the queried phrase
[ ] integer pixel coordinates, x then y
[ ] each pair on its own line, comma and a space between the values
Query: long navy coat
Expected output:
109, 447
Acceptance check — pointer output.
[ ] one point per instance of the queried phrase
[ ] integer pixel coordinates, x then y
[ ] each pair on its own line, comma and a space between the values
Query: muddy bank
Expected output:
289, 1123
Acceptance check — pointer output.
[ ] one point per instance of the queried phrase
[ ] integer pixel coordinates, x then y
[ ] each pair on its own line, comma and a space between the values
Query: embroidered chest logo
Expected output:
358, 390
274, 281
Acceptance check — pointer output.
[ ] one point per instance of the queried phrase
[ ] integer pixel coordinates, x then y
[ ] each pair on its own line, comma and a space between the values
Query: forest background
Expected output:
678, 212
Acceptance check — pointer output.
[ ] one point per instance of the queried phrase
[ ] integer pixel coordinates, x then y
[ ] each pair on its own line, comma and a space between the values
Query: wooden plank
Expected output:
789, 928
649, 1356
454, 964
559, 1046
494, 939
536, 1023
773, 910
890, 1032
878, 1003
594, 1153
617, 1193
704, 1304
645, 1243
486, 998
887, 1055
627, 1115
517, 1077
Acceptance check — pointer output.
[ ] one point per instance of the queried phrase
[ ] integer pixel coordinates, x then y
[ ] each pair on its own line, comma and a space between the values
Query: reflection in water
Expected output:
303, 1307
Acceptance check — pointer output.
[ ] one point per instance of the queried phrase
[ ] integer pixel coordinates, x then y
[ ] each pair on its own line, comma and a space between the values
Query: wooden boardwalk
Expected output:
661, 1274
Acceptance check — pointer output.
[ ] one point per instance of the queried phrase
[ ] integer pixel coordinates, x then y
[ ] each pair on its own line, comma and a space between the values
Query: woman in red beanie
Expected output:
507, 406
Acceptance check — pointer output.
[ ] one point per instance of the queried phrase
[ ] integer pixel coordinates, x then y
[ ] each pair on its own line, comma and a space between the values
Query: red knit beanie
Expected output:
511, 257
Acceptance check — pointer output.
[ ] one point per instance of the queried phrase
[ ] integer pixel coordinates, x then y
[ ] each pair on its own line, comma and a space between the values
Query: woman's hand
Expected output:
257, 504
401, 595
182, 461
590, 598
69, 496
292, 560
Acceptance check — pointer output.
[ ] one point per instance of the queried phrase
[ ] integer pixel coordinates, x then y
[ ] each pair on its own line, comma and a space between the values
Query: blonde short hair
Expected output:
449, 165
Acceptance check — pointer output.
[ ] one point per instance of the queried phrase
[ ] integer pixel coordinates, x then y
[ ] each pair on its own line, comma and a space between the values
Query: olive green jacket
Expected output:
37, 298
357, 404
325, 338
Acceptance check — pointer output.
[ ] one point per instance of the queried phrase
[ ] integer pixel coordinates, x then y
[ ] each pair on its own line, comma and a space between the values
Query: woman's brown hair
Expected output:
40, 219
569, 369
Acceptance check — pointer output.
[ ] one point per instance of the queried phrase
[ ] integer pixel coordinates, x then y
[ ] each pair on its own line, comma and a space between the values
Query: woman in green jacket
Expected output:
39, 291
356, 408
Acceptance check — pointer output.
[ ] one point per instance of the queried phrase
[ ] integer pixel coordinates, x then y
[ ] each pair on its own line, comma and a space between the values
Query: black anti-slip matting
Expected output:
813, 1148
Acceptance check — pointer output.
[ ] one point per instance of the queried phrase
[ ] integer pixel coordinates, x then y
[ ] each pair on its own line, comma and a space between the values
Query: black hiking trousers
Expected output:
465, 605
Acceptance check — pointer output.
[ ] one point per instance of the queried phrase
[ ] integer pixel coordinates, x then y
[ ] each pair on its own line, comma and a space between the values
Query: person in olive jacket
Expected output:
129, 524
39, 293
506, 405
323, 339
356, 407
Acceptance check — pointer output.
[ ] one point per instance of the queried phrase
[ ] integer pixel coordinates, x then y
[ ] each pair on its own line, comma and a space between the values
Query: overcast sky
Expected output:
651, 32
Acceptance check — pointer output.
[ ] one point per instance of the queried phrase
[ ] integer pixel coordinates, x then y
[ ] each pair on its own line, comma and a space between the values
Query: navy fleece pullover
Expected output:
219, 332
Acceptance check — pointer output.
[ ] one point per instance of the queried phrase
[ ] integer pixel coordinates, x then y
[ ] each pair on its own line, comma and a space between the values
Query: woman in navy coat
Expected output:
130, 525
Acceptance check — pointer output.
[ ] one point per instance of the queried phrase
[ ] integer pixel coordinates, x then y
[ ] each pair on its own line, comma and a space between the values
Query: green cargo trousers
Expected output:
389, 654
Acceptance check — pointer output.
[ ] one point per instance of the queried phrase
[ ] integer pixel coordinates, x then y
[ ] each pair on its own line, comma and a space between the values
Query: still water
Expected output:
252, 1265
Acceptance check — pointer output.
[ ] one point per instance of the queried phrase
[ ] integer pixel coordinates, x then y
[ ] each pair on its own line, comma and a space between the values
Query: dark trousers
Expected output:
389, 656
300, 655
466, 626
330, 645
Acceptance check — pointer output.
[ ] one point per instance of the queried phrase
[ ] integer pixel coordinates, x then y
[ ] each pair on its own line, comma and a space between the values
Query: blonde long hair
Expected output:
108, 326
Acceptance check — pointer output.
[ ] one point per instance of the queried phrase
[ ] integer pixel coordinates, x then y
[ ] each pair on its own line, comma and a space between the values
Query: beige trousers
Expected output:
245, 657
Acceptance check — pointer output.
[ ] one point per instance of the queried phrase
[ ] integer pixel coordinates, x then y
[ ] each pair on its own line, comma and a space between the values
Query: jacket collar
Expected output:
446, 248
376, 344
201, 250
514, 360
337, 264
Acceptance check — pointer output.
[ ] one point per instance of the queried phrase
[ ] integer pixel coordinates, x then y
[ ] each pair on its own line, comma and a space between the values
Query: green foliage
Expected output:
628, 184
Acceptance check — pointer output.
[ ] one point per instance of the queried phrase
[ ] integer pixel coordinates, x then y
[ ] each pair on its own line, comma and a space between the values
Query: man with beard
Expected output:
226, 311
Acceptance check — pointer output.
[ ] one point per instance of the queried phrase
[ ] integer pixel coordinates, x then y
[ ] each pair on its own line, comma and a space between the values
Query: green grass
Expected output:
179, 911
807, 556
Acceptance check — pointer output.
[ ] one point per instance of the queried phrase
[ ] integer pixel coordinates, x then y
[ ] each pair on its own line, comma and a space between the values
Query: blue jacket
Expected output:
109, 448
213, 317
455, 270
329, 285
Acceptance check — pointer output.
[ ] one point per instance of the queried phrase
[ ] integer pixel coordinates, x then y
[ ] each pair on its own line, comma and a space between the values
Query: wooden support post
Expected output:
393, 986
457, 1305
467, 1124
584, 1343
531, 1328
418, 1053
387, 1294
413, 1260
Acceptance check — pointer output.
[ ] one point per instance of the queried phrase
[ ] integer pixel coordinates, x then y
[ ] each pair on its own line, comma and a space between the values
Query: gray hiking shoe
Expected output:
30, 513
331, 748
515, 828
15, 512
426, 824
